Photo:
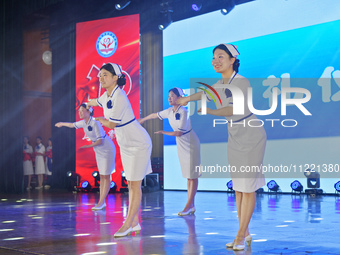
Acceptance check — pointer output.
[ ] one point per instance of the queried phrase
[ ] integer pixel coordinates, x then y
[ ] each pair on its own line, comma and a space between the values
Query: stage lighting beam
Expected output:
228, 7
166, 19
121, 5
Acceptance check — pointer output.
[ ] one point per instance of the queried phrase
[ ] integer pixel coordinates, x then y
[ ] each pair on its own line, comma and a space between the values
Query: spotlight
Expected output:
196, 6
337, 187
296, 186
273, 186
73, 180
112, 185
230, 185
228, 7
313, 182
121, 5
96, 176
166, 18
313, 179
85, 185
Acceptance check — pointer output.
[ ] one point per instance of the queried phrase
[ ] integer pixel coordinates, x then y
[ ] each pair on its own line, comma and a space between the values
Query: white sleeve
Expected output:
99, 131
79, 124
164, 114
100, 100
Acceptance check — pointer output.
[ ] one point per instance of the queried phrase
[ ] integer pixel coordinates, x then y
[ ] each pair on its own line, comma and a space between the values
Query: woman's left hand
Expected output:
100, 119
160, 132
84, 147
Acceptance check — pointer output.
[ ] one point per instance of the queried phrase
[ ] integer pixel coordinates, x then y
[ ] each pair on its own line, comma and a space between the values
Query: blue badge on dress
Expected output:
38, 147
25, 147
89, 128
109, 104
228, 93
178, 116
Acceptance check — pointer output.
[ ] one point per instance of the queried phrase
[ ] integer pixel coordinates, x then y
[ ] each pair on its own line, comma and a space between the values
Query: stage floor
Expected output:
51, 222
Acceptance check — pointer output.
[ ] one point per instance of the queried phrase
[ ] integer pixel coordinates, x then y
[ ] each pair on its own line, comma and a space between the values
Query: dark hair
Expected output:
121, 80
50, 139
175, 91
39, 137
84, 105
236, 64
28, 139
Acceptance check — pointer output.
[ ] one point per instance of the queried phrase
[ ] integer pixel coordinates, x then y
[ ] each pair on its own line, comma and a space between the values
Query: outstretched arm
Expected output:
64, 124
92, 102
149, 117
96, 143
225, 111
194, 97
173, 133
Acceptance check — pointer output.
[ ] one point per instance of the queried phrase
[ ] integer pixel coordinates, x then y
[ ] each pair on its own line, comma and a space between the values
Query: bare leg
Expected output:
105, 181
29, 181
192, 189
40, 179
134, 203
247, 209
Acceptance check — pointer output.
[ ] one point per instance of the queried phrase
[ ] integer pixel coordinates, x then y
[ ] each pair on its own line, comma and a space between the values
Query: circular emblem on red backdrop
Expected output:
107, 44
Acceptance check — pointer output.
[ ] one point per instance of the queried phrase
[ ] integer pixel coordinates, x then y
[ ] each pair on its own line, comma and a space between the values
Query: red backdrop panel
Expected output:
114, 40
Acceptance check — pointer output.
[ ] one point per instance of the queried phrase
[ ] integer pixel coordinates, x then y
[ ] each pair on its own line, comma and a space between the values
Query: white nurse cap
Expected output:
180, 91
117, 69
232, 49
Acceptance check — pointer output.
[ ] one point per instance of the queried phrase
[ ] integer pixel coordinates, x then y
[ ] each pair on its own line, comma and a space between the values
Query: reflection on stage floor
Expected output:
54, 222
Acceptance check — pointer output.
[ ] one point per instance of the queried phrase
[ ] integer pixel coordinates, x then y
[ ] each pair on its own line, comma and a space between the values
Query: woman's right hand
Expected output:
183, 101
59, 124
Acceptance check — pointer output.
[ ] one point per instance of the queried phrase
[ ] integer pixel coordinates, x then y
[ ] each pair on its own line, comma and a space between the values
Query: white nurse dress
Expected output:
188, 144
105, 152
246, 143
133, 140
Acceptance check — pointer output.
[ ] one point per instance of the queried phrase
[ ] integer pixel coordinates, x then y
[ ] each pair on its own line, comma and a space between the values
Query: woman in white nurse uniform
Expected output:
103, 147
133, 140
188, 144
28, 165
246, 144
40, 162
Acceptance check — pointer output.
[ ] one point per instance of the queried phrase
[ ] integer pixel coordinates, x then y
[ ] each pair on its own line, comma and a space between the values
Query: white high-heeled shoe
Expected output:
240, 246
190, 211
248, 238
136, 229
97, 208
125, 233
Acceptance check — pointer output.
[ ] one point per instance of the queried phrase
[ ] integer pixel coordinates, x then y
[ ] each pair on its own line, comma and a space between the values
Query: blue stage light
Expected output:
196, 6
230, 185
273, 186
337, 186
112, 185
296, 186
84, 184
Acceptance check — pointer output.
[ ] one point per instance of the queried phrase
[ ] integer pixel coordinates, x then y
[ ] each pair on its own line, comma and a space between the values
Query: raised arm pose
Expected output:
133, 140
103, 147
246, 144
188, 144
